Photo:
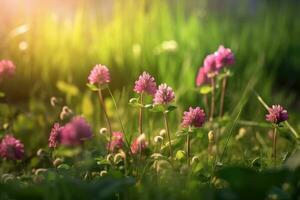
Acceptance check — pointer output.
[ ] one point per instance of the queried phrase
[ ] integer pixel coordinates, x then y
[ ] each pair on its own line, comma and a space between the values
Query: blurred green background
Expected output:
55, 44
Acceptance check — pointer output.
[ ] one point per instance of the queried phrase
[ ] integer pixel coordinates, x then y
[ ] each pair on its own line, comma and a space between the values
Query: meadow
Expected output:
88, 124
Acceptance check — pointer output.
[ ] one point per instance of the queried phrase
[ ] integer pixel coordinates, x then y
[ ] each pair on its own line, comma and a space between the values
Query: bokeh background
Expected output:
55, 44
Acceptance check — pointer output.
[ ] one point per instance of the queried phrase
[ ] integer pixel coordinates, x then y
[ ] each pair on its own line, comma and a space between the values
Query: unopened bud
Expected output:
53, 101
122, 153
211, 136
195, 159
118, 157
163, 132
5, 126
241, 134
57, 162
41, 153
103, 131
66, 112
156, 155
40, 170
103, 173
141, 138
110, 158
5, 178
158, 139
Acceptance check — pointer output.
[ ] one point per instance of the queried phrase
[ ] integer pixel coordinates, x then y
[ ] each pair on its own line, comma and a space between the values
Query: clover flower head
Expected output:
164, 95
224, 57
195, 117
201, 77
210, 65
145, 83
139, 144
277, 114
116, 142
55, 136
11, 148
99, 75
75, 132
7, 68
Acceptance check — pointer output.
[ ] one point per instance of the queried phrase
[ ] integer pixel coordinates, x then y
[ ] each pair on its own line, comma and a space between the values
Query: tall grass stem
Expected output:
168, 134
275, 145
106, 117
212, 105
224, 84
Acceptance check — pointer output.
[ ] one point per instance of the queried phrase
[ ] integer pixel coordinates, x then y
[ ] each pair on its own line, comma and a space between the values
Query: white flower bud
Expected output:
158, 139
40, 170
195, 159
57, 162
41, 153
66, 112
156, 155
103, 131
53, 101
110, 158
211, 136
103, 173
7, 177
117, 157
162, 132
141, 138
241, 134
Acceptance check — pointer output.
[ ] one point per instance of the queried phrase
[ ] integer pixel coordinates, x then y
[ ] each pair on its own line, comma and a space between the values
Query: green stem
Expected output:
106, 117
188, 149
119, 118
168, 134
141, 124
212, 105
125, 165
274, 145
205, 100
141, 116
292, 129
224, 83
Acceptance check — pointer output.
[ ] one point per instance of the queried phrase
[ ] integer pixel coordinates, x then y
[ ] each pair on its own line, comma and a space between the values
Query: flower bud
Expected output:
103, 131
110, 158
118, 157
162, 132
158, 139
57, 162
40, 170
122, 153
195, 159
241, 134
41, 153
53, 101
132, 100
141, 138
103, 173
211, 136
156, 155
5, 126
7, 177
139, 144
66, 112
